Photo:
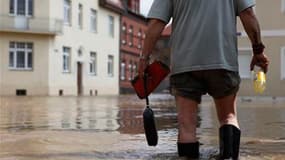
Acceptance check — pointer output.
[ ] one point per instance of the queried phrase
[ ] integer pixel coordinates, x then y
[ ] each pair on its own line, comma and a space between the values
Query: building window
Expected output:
140, 33
244, 59
66, 59
93, 20
80, 16
111, 26
93, 63
140, 39
67, 12
134, 6
134, 71
283, 63
110, 66
137, 6
21, 55
124, 33
131, 36
123, 70
22, 7
130, 67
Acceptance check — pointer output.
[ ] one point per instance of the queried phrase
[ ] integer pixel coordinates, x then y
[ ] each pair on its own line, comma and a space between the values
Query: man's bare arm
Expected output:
252, 28
251, 25
155, 27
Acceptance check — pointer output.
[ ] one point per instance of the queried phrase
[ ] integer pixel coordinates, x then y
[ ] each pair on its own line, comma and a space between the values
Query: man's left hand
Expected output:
260, 60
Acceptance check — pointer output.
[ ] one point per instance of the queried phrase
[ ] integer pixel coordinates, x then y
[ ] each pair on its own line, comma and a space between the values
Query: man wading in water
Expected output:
204, 59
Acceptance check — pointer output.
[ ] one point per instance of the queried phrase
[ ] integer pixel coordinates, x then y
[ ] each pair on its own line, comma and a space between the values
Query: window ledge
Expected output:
66, 72
20, 69
15, 15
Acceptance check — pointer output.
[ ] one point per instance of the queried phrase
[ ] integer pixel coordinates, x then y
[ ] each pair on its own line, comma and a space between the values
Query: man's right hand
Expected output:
260, 60
143, 63
154, 30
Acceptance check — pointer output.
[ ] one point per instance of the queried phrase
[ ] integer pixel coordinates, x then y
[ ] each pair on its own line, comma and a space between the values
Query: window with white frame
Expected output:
110, 66
140, 39
131, 36
67, 12
244, 59
80, 16
124, 33
140, 33
93, 63
283, 63
130, 68
134, 70
21, 55
66, 60
123, 70
93, 20
22, 7
111, 26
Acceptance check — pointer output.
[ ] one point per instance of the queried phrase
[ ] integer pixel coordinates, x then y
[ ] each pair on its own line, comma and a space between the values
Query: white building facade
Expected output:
58, 47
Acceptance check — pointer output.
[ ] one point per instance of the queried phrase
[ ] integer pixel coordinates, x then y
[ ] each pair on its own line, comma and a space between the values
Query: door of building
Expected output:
79, 79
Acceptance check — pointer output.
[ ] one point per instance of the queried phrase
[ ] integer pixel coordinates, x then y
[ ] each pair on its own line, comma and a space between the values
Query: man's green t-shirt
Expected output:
204, 34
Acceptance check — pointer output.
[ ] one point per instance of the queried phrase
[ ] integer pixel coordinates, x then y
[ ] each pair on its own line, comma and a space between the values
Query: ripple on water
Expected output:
84, 128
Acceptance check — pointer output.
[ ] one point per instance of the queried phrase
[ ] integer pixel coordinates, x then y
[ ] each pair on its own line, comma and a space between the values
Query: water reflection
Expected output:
105, 127
72, 113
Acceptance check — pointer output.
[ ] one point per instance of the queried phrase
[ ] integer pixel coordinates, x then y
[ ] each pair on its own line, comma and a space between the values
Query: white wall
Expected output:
99, 42
47, 76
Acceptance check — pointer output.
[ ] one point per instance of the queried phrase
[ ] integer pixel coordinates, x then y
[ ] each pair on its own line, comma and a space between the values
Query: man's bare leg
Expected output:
226, 110
229, 132
187, 120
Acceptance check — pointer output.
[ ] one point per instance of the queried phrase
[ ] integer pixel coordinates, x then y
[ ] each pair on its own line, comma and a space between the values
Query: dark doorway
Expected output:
79, 79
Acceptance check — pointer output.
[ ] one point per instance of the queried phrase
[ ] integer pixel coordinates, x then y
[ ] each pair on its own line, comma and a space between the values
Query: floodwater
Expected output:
94, 128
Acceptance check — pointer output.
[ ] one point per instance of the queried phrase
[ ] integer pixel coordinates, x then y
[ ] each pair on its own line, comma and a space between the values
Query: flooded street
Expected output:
91, 128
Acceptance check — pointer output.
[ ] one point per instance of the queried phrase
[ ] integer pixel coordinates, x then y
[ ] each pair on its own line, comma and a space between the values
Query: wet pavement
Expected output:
91, 128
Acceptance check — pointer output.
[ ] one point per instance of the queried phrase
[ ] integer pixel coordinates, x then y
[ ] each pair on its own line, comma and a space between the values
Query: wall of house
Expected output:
35, 81
271, 14
75, 38
270, 17
41, 8
47, 76
131, 49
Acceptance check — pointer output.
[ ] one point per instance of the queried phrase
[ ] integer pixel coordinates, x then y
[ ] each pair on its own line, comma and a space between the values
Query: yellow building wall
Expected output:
270, 13
271, 19
34, 81
47, 77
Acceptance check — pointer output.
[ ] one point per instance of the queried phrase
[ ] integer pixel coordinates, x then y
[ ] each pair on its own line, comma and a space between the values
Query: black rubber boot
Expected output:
236, 143
189, 150
229, 142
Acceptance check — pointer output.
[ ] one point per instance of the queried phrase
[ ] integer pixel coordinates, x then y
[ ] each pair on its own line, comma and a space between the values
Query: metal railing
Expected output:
10, 23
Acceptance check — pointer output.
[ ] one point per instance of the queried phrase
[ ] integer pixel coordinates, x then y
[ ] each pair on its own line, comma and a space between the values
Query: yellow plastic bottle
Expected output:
259, 80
